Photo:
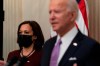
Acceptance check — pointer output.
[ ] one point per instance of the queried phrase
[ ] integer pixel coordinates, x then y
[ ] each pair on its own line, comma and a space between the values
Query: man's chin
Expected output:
54, 29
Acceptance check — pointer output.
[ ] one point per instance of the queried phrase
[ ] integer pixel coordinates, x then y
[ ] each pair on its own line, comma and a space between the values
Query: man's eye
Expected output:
49, 12
57, 11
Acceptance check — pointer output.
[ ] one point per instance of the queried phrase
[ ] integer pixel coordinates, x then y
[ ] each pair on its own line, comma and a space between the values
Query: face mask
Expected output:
24, 40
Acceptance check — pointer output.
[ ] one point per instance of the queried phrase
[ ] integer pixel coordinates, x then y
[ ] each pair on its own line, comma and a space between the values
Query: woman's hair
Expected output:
37, 32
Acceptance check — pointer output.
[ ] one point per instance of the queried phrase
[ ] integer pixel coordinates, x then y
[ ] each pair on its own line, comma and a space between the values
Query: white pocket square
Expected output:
72, 58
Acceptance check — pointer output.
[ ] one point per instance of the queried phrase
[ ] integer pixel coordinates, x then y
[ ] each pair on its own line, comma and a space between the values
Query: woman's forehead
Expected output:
25, 27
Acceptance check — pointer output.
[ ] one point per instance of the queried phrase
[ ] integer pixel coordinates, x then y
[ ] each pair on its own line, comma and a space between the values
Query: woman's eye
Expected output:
20, 32
26, 32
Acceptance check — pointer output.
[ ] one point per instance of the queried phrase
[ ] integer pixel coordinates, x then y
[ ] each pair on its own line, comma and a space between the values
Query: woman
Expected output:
30, 40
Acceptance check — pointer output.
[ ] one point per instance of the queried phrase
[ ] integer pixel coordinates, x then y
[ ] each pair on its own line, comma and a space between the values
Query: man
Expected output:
76, 49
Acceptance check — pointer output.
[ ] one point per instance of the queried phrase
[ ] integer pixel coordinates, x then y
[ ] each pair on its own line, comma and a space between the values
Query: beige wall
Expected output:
17, 11
13, 16
37, 10
94, 19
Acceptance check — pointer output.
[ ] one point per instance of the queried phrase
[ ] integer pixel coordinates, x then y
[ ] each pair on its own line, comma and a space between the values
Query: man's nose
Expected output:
52, 16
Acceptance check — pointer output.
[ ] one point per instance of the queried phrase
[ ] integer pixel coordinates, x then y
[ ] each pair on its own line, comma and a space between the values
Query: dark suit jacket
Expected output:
85, 53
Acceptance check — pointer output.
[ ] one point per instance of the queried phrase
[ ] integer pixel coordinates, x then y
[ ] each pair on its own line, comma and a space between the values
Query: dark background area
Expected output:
1, 29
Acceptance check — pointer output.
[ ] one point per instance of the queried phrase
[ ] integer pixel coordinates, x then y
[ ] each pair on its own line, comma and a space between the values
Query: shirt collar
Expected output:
68, 37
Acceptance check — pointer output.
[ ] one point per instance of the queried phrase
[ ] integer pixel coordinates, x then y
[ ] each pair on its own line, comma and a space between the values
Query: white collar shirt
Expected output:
66, 40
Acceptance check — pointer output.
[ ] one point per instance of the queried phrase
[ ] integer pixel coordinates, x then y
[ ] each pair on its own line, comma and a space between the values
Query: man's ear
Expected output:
74, 16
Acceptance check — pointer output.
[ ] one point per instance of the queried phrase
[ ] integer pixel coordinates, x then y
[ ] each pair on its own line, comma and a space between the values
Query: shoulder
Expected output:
36, 57
86, 40
91, 44
38, 53
52, 39
90, 41
12, 54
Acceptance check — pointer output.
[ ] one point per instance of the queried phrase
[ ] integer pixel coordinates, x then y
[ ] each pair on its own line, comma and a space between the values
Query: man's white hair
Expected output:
72, 5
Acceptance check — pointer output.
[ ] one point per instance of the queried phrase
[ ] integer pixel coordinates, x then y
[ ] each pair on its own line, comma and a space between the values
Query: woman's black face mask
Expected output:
25, 40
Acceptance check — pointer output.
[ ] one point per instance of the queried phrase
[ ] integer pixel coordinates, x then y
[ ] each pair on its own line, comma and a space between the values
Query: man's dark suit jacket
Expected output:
85, 53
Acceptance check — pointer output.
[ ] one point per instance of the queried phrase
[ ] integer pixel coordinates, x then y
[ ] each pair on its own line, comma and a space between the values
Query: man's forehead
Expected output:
58, 2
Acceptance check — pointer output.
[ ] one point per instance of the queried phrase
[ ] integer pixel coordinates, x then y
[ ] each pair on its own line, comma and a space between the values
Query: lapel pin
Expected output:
75, 44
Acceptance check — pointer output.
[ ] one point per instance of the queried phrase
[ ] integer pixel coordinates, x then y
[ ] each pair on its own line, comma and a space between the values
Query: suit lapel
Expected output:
47, 50
69, 54
51, 44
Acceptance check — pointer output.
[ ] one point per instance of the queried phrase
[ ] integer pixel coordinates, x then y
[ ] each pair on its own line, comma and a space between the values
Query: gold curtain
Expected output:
94, 19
